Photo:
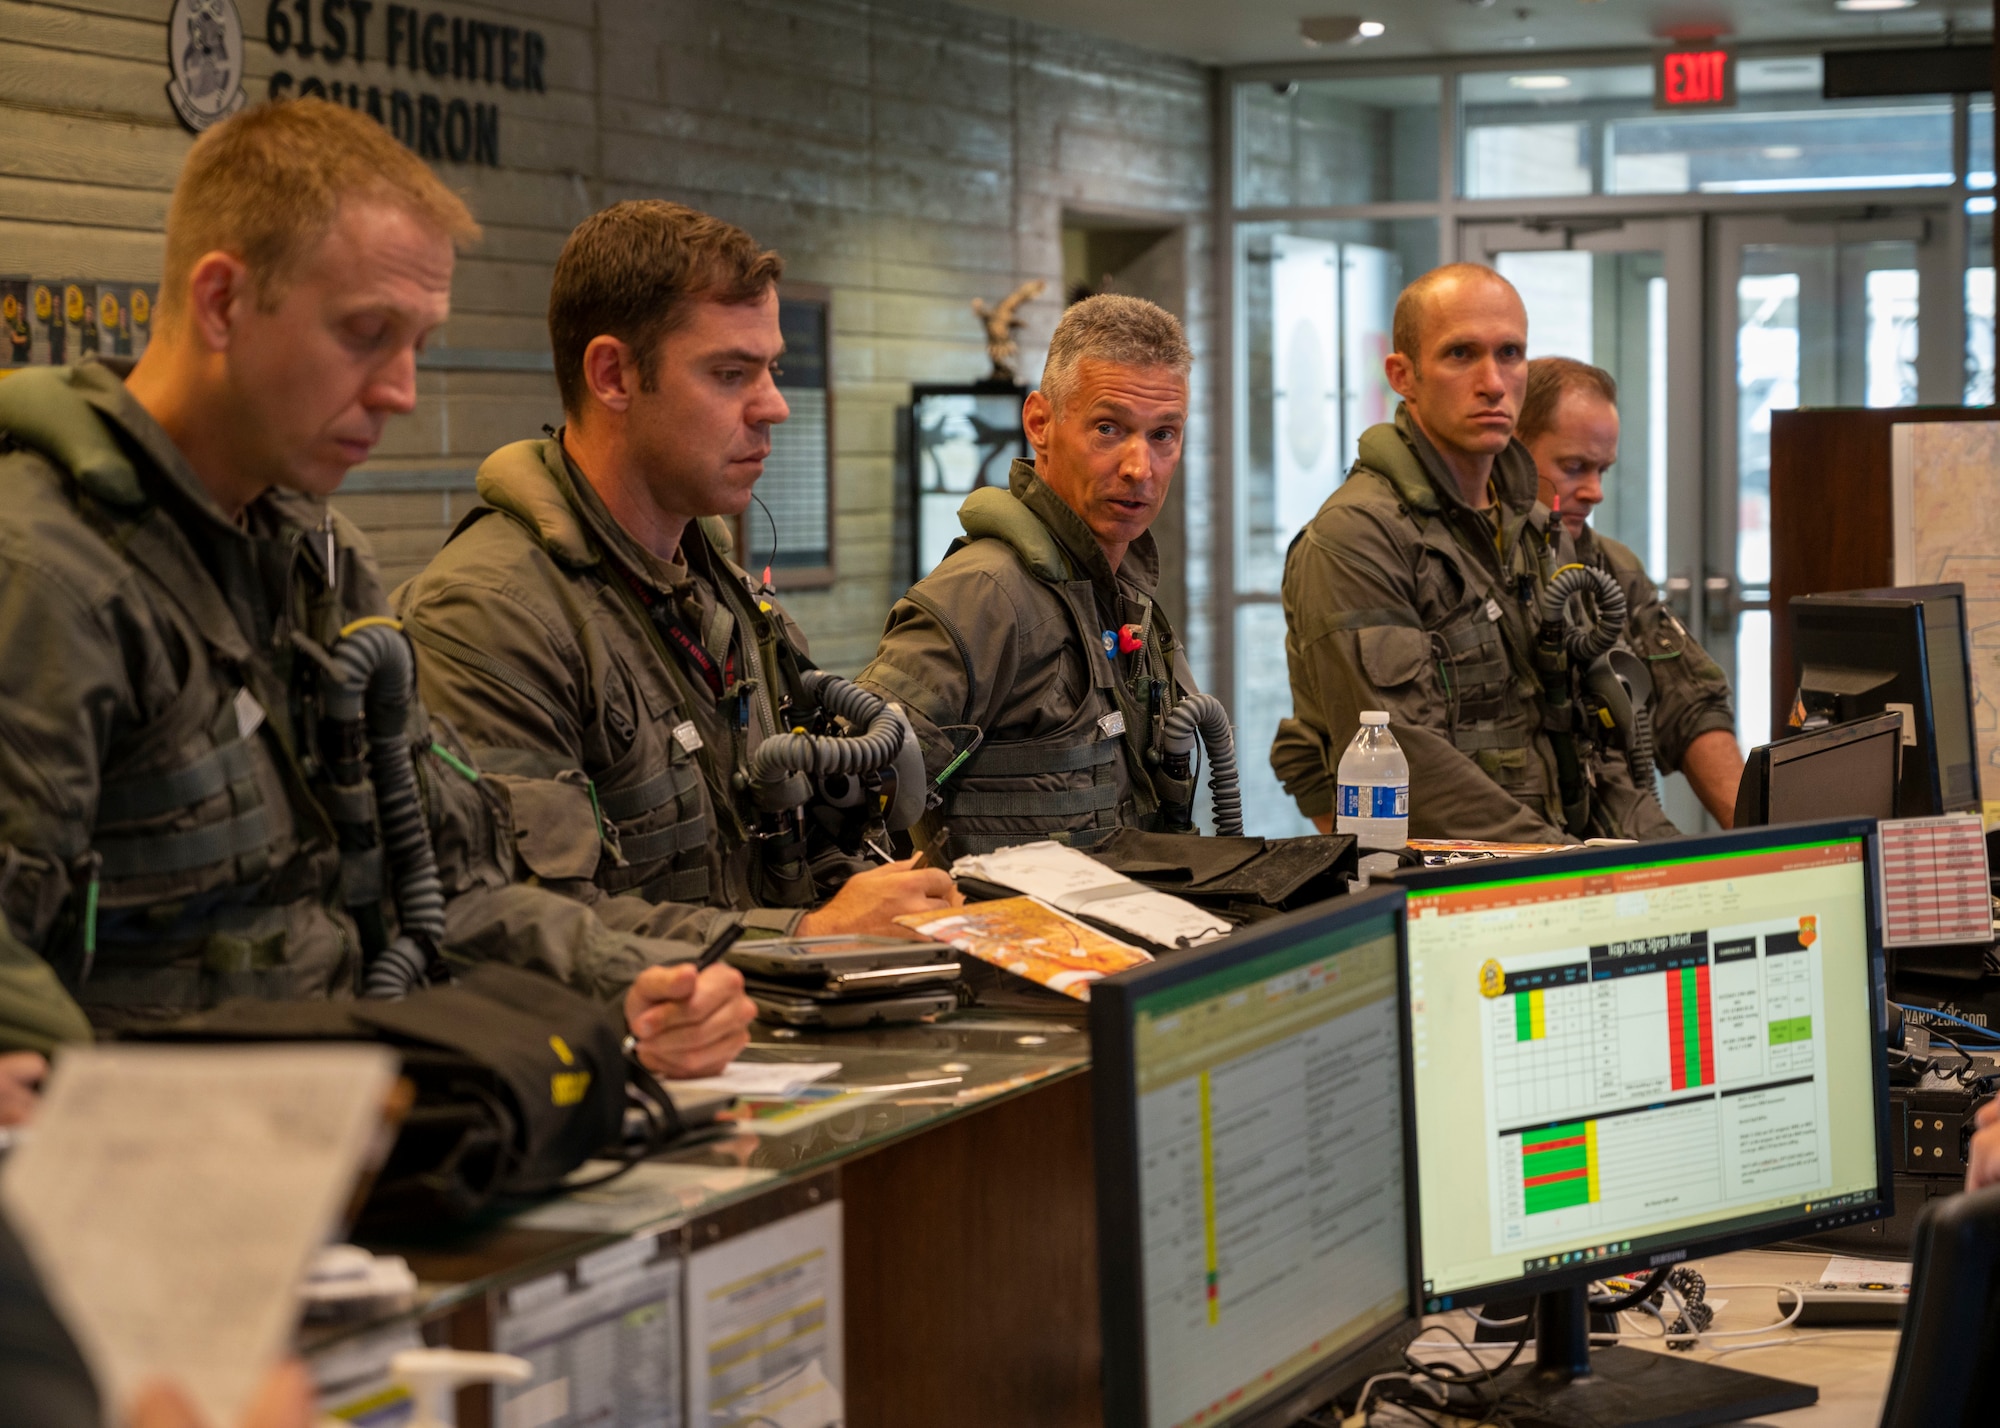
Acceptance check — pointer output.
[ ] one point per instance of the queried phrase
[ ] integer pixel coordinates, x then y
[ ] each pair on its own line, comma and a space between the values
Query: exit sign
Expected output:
1695, 79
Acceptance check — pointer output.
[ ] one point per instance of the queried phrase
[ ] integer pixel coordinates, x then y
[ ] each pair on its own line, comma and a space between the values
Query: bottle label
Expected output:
1373, 800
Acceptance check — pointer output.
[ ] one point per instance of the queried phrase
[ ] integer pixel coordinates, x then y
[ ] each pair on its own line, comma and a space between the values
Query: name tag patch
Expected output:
1493, 610
687, 736
1113, 724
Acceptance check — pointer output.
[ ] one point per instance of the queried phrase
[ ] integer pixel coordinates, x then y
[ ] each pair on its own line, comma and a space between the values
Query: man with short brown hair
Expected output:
178, 825
1417, 589
588, 631
1569, 423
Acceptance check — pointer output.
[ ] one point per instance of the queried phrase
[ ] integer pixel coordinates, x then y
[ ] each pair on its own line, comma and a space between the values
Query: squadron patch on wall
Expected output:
205, 52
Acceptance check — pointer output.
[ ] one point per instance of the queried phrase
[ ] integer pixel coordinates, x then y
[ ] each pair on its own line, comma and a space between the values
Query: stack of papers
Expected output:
773, 1079
1030, 939
1077, 883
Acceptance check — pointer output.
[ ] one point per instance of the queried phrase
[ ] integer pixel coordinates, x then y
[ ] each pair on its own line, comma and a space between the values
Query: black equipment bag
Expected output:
517, 1079
1242, 879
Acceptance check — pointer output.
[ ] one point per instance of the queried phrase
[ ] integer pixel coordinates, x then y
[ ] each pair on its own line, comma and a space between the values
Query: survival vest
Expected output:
1108, 752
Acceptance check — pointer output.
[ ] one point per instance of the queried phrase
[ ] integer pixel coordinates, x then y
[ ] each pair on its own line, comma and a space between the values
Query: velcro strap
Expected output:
352, 803
149, 795
688, 885
663, 842
1488, 738
181, 849
1024, 760
1465, 637
621, 805
1485, 671
1051, 803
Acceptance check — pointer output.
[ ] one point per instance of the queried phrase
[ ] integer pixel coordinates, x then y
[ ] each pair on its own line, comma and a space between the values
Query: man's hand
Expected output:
868, 903
688, 1025
1982, 1163
283, 1400
1323, 822
21, 1075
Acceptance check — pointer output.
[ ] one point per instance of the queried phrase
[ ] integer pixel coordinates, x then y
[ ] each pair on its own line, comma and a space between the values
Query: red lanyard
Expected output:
671, 630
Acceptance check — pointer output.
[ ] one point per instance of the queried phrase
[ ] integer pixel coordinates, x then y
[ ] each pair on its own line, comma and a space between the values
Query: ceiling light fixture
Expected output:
1538, 81
1873, 5
1338, 30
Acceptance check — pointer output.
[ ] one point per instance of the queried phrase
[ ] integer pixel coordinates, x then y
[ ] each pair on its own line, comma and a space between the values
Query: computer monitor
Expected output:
1624, 1058
1842, 771
1863, 652
1252, 1205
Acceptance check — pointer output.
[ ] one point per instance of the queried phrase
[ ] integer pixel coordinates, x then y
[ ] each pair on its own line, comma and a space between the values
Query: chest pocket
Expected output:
653, 800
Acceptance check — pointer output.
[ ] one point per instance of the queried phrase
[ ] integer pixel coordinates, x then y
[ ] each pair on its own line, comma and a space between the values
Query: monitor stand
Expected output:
1571, 1386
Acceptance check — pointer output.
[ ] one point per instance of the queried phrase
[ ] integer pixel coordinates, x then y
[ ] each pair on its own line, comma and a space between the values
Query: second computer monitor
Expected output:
1843, 771
1628, 1057
1251, 1195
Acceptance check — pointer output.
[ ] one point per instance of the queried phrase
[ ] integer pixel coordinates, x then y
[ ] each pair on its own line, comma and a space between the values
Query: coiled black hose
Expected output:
875, 747
377, 678
1585, 636
1205, 712
1640, 754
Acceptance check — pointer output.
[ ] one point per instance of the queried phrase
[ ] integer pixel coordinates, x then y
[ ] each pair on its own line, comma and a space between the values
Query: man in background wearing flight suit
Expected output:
171, 581
1415, 590
1035, 661
1569, 423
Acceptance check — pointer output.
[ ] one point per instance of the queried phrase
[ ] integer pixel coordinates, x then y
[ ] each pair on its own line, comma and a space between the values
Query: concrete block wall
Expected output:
909, 155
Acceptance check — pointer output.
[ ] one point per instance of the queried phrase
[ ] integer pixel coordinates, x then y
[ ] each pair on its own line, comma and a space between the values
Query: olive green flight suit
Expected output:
166, 823
1001, 650
1400, 596
1690, 694
544, 633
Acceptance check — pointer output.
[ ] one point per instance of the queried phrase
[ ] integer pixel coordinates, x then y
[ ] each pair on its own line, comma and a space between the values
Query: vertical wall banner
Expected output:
205, 53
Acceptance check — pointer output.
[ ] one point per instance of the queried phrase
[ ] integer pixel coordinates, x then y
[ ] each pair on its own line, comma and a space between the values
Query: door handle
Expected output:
1721, 604
1679, 592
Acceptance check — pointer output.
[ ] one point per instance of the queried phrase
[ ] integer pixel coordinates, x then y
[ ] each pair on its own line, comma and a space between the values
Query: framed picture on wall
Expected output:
795, 540
960, 438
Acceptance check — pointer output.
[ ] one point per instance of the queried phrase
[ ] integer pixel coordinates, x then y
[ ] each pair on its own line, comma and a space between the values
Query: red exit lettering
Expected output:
1695, 77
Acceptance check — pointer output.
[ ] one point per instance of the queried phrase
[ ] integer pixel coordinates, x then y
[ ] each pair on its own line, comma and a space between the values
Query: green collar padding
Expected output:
43, 409
1384, 450
530, 481
991, 511
527, 480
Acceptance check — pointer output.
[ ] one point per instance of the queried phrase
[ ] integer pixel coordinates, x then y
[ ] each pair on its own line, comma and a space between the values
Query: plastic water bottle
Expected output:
1373, 796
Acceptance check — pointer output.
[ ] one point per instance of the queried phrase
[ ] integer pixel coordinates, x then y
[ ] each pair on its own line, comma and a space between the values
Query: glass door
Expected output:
1808, 312
1625, 295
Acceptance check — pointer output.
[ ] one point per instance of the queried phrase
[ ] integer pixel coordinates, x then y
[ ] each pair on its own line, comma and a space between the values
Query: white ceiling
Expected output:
1253, 31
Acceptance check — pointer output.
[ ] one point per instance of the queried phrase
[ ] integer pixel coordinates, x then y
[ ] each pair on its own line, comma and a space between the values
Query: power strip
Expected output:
1850, 1304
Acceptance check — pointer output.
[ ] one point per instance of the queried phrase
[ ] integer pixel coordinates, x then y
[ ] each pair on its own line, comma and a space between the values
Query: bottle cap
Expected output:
1375, 716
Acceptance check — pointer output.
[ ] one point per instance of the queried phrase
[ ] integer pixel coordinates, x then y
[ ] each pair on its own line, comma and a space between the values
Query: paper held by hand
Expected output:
1029, 938
171, 1197
1080, 885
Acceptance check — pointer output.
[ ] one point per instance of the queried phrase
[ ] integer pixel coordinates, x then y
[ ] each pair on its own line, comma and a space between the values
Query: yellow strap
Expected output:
365, 621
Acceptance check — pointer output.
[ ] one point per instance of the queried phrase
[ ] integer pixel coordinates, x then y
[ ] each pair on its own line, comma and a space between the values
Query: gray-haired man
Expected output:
1034, 661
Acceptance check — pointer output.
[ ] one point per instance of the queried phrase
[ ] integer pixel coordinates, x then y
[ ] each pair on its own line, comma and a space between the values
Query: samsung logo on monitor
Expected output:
1670, 1257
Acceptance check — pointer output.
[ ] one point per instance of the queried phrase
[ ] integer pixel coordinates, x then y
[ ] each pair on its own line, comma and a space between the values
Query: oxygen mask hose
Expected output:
1205, 712
377, 679
1588, 606
874, 748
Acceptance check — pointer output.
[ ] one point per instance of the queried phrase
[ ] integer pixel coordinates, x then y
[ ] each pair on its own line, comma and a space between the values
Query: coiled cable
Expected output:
1204, 712
1586, 633
875, 747
377, 677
